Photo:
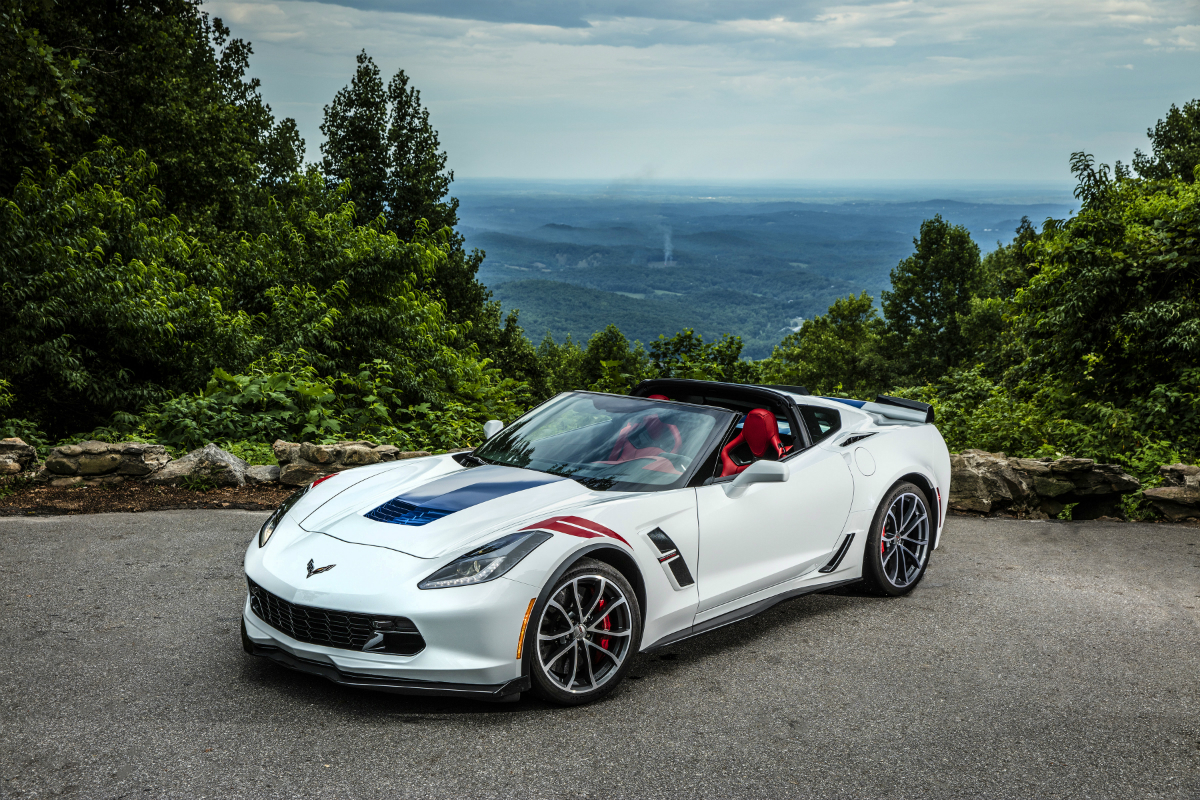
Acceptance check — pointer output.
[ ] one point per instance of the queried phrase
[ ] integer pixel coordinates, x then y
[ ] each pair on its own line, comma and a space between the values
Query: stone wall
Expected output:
989, 483
16, 456
101, 463
984, 483
303, 462
1178, 498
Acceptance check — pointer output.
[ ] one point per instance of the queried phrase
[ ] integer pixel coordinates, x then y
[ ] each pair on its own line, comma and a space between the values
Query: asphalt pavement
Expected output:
1037, 659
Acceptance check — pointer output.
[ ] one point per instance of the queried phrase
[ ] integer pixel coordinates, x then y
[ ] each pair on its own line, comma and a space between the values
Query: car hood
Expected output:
434, 507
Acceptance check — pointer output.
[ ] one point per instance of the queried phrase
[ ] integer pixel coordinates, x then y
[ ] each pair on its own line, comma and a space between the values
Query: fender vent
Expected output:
838, 556
858, 437
670, 558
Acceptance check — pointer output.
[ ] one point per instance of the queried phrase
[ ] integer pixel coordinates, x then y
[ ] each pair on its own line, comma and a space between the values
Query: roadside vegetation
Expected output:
174, 271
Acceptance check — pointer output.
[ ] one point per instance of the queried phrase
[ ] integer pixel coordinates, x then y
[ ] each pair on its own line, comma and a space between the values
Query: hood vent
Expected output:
456, 491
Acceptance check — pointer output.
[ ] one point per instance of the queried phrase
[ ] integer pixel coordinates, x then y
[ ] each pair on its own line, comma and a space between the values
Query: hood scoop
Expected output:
455, 492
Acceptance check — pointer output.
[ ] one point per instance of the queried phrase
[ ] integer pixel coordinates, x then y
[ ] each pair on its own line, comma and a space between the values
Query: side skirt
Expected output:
739, 614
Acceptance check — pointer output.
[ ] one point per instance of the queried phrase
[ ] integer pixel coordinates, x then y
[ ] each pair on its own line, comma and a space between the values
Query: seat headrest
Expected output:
759, 430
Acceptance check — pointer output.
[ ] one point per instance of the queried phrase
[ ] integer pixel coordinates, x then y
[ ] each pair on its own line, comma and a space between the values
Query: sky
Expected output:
746, 90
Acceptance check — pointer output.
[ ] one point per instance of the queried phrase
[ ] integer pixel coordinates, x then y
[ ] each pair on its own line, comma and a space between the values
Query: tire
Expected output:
572, 663
893, 566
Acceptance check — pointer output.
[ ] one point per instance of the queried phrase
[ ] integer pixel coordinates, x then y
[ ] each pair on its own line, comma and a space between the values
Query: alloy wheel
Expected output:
584, 634
904, 543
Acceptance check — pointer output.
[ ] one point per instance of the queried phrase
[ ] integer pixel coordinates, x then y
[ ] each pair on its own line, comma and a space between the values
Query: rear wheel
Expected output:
586, 634
898, 545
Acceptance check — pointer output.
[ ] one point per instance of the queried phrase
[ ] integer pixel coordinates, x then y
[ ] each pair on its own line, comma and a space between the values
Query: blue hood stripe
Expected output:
450, 493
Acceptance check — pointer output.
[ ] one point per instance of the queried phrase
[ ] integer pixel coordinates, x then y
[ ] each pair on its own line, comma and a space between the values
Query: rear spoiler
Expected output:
912, 405
896, 408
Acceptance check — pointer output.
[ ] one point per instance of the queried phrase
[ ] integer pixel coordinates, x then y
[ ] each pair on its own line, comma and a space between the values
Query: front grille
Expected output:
342, 629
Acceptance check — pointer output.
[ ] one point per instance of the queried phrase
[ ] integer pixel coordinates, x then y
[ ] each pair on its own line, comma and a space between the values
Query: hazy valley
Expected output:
753, 261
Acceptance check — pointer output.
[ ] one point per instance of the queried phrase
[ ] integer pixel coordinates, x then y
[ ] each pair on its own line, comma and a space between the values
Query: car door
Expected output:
772, 532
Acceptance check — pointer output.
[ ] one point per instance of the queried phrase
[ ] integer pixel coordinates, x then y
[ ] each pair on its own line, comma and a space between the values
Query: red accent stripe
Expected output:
576, 526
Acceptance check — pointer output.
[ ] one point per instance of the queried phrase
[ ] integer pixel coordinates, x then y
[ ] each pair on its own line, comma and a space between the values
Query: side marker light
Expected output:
524, 625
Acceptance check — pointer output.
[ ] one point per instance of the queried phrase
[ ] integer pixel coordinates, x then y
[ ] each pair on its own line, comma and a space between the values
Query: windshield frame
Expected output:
723, 418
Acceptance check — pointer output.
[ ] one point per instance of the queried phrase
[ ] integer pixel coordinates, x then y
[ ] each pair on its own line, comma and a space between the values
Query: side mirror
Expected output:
758, 472
492, 427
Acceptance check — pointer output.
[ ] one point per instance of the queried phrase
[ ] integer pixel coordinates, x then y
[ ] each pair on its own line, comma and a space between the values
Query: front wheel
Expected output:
897, 551
585, 635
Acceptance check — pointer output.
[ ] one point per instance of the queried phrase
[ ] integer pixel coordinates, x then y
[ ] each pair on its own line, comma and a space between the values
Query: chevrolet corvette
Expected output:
594, 528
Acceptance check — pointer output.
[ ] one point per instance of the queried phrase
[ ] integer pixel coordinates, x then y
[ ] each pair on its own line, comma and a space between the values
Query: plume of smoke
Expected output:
668, 248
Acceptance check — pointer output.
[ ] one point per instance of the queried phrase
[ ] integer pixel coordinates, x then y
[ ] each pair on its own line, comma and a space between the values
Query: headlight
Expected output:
486, 563
268, 527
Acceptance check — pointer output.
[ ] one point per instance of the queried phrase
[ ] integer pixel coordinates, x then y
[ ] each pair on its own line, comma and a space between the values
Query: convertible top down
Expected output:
592, 528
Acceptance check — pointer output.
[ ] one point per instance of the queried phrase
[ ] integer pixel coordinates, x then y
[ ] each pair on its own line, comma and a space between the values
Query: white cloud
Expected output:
902, 89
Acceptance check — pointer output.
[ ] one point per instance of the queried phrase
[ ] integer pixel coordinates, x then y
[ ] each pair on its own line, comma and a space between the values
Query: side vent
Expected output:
838, 556
858, 437
672, 563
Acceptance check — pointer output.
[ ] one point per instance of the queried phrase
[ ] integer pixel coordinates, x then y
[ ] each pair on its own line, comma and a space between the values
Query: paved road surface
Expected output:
1036, 660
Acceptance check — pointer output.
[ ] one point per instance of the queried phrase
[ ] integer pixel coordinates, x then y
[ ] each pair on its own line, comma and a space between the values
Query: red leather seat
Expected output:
656, 437
760, 432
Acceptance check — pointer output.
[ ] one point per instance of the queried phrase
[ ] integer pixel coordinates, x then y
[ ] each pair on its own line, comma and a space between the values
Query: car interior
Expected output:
766, 430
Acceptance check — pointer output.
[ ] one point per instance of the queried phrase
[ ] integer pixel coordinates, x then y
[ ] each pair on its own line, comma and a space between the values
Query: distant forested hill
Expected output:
753, 269
559, 308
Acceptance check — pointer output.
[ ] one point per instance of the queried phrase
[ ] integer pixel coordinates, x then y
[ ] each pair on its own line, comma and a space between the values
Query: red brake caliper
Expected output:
606, 624
882, 544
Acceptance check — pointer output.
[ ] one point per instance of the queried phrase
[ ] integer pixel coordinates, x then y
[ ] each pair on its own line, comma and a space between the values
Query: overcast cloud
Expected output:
750, 90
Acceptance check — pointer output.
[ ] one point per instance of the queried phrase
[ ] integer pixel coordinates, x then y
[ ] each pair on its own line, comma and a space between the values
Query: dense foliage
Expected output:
171, 272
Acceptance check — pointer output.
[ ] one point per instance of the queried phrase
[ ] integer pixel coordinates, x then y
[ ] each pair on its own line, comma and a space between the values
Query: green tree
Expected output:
931, 292
381, 141
838, 352
43, 96
1175, 146
161, 77
1113, 312
355, 147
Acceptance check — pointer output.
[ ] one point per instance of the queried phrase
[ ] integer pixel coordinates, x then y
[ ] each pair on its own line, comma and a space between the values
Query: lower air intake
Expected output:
341, 629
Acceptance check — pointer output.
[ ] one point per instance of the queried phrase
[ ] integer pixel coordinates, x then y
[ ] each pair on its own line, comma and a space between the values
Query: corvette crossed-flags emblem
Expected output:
318, 570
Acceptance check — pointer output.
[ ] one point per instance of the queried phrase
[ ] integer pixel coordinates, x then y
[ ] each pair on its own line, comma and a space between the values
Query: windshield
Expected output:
610, 442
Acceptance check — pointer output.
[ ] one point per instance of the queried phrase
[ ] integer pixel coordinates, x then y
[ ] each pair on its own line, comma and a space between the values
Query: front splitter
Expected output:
494, 693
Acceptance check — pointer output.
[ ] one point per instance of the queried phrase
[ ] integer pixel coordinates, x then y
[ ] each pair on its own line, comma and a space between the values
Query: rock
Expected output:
209, 464
134, 459
60, 465
989, 483
317, 454
16, 456
986, 482
304, 462
1176, 474
299, 473
138, 459
1070, 465
1179, 496
262, 473
91, 463
1051, 487
285, 452
69, 483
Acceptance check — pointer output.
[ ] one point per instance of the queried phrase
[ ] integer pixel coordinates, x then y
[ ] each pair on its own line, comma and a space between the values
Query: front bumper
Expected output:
502, 692
470, 633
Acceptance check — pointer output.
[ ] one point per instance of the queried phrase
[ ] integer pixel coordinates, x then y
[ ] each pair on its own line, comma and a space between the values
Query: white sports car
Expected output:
594, 527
